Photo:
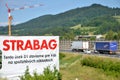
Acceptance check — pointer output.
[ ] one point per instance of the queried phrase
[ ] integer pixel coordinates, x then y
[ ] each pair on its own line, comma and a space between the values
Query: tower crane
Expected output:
13, 9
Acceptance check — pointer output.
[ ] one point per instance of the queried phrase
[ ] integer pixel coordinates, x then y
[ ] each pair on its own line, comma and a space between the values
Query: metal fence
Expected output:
66, 45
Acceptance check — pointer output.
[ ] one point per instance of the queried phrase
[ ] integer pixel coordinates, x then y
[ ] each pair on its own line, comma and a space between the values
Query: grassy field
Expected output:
84, 30
74, 66
72, 69
3, 79
117, 18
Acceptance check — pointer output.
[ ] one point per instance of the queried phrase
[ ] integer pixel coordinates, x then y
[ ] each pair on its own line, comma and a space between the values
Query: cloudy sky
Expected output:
49, 7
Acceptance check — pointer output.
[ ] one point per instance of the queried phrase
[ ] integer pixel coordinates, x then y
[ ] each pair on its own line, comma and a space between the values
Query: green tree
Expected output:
118, 35
115, 36
110, 35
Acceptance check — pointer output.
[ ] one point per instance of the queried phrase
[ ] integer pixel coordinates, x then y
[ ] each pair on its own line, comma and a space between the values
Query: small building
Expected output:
89, 37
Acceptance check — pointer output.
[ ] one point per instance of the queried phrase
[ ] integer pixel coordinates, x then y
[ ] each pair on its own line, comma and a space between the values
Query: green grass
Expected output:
71, 68
117, 18
84, 30
109, 66
76, 27
3, 79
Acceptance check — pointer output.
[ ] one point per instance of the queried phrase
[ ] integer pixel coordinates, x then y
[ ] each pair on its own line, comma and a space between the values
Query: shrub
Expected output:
61, 56
107, 64
47, 75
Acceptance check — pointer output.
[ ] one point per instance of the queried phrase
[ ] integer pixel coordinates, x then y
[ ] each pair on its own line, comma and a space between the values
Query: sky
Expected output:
49, 7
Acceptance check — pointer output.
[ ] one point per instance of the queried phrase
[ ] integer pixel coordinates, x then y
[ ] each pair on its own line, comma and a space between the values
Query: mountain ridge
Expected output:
44, 24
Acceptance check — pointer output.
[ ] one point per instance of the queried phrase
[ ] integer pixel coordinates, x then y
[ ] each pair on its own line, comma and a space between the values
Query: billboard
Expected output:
36, 52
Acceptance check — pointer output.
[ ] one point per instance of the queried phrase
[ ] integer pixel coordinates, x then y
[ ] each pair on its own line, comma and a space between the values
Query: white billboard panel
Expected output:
36, 52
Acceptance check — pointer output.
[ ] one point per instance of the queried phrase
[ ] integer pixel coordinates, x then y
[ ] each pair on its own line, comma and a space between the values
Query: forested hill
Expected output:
54, 24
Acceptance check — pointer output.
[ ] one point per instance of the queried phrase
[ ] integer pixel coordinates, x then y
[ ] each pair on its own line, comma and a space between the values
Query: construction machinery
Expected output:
13, 9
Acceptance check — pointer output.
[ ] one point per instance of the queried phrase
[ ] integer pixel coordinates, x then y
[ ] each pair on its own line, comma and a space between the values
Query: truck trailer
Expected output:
107, 47
79, 46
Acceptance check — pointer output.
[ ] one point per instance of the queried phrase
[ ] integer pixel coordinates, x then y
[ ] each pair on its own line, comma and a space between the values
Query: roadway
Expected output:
117, 55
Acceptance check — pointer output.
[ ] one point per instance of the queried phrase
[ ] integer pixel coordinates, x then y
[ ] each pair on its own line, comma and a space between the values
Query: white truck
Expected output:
79, 46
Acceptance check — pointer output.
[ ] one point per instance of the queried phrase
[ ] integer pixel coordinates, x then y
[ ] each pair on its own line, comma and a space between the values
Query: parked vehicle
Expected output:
109, 47
80, 46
